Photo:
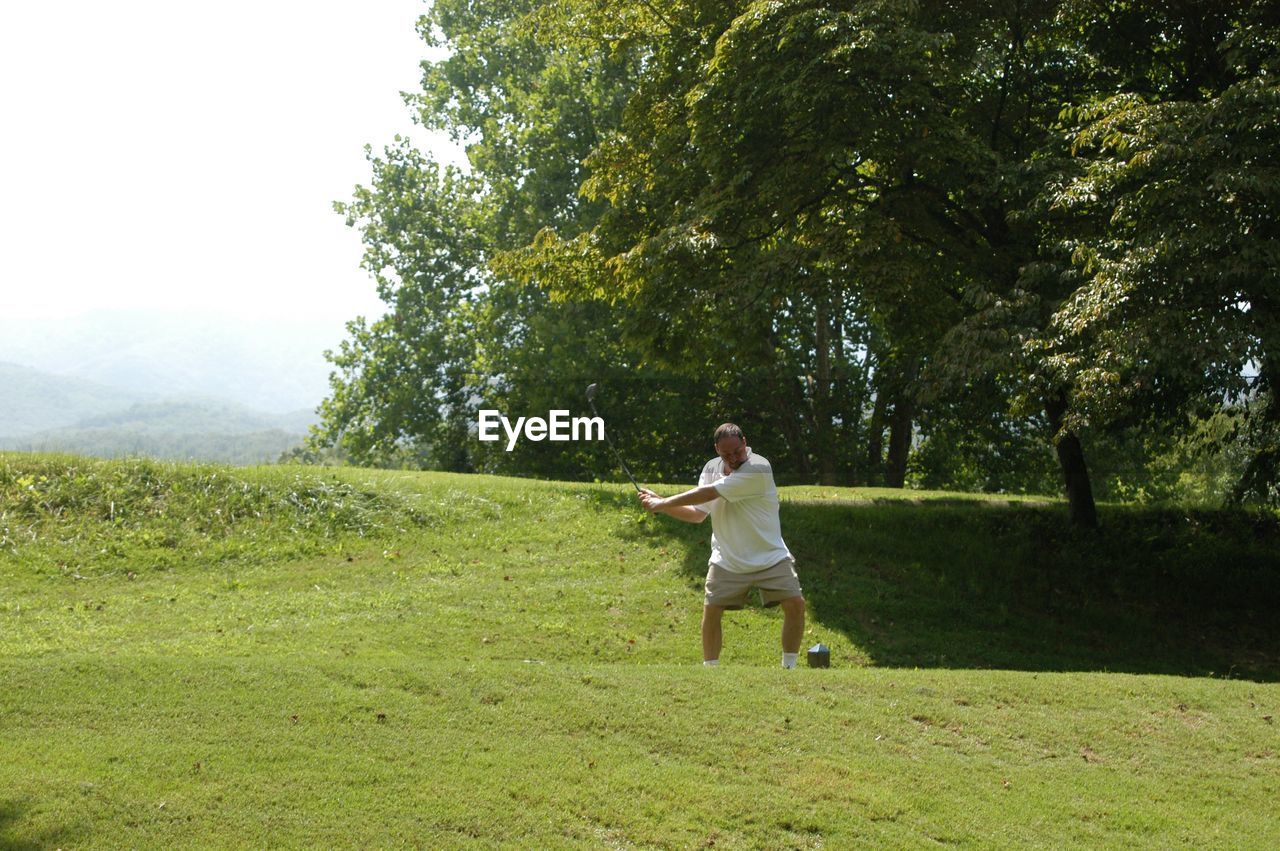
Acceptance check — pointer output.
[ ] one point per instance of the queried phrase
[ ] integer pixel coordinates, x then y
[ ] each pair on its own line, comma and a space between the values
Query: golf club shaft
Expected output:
616, 453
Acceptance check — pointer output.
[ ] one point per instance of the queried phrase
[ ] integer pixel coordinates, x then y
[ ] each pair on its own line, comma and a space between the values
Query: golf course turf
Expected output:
197, 656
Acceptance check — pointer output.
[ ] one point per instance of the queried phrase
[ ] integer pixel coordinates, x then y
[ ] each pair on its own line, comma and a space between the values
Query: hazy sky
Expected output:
186, 155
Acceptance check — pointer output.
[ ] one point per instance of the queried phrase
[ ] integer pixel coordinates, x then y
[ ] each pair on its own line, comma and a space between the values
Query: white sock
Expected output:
789, 660
711, 663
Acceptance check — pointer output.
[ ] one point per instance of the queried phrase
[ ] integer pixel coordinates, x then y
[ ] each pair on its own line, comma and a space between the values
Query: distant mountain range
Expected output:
31, 400
264, 364
44, 412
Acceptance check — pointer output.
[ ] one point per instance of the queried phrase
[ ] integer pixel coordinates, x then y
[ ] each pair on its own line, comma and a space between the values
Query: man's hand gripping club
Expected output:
679, 506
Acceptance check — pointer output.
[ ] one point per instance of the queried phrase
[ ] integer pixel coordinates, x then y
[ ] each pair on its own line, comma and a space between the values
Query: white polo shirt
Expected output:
745, 533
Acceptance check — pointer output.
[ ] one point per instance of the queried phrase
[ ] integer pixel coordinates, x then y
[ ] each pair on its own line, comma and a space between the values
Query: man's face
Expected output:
732, 451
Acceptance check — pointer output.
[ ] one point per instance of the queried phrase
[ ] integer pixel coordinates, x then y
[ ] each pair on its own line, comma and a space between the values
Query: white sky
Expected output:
185, 156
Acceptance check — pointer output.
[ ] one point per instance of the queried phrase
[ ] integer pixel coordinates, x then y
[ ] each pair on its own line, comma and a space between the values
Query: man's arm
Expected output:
681, 505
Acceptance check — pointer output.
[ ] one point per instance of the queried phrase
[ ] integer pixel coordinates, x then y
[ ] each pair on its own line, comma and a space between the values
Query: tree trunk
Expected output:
790, 413
875, 440
1081, 508
1262, 469
858, 427
789, 409
895, 474
822, 398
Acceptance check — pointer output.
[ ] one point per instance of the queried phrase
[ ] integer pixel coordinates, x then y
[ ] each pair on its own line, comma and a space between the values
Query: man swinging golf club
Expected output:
736, 490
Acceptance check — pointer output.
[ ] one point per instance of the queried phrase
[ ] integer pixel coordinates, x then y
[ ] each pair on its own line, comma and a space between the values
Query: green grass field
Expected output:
198, 656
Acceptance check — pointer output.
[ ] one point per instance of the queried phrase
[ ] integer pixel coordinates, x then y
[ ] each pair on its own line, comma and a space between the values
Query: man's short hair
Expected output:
727, 430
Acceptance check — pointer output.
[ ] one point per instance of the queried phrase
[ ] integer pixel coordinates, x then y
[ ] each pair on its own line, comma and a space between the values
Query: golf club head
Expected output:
591, 392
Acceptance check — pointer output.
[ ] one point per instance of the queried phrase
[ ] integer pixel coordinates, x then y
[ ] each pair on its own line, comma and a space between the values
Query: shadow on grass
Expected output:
957, 584
11, 839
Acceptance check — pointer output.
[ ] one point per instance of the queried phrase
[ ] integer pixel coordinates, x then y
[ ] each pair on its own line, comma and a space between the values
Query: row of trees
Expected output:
897, 237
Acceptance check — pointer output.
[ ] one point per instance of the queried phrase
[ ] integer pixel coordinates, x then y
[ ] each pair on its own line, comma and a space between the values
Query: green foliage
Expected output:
835, 221
406, 376
1172, 235
461, 334
1002, 457
878, 230
1200, 465
88, 517
1153, 464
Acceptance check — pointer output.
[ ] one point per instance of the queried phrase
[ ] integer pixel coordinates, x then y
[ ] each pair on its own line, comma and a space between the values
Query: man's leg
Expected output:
711, 634
792, 624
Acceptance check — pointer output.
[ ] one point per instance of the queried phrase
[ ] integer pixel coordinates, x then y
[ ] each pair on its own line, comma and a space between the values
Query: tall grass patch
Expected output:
89, 515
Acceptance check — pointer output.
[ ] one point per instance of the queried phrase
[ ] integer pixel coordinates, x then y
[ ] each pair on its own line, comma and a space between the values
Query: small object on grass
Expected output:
819, 656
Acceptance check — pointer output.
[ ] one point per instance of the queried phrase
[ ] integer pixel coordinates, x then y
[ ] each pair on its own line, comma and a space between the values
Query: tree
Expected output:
1172, 223
461, 335
902, 218
867, 155
407, 378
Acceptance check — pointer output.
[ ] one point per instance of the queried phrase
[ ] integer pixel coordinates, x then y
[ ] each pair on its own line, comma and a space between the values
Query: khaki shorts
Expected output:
729, 590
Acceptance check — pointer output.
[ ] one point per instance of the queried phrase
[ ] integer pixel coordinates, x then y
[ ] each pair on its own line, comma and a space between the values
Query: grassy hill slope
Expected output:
194, 655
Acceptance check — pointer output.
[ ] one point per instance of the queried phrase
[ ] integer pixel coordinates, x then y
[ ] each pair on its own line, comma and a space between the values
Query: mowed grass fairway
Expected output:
196, 656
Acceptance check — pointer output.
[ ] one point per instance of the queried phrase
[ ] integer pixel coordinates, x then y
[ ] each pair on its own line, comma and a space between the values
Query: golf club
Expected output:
591, 400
